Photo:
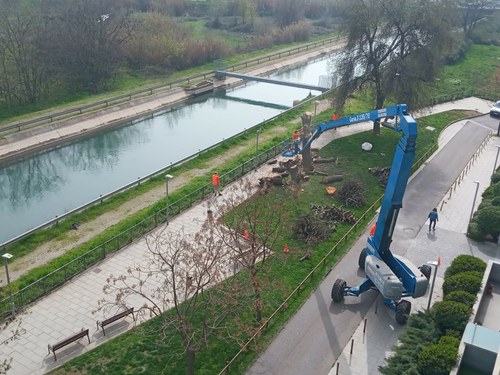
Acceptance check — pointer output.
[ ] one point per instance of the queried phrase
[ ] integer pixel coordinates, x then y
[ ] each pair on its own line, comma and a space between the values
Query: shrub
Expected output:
475, 232
451, 315
420, 331
488, 219
468, 281
464, 263
461, 296
438, 359
495, 201
495, 178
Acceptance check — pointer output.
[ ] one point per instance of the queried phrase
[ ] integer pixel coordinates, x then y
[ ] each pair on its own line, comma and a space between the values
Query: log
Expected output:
326, 160
320, 173
279, 169
333, 178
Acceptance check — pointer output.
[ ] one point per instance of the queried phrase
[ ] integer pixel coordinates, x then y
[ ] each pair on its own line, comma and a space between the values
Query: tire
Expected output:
426, 270
403, 309
338, 290
362, 258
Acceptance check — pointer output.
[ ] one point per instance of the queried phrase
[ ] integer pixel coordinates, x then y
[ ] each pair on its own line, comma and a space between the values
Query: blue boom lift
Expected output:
393, 276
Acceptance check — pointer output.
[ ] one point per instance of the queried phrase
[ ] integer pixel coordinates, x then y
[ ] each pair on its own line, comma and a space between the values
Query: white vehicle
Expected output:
495, 110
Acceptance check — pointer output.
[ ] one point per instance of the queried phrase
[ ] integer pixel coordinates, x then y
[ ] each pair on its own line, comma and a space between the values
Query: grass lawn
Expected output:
142, 350
478, 71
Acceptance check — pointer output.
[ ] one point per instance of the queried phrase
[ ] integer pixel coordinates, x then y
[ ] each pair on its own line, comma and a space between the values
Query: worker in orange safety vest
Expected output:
216, 184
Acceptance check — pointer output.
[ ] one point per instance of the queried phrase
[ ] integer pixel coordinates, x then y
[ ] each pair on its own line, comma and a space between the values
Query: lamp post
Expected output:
436, 265
496, 159
6, 257
257, 148
474, 201
316, 102
167, 177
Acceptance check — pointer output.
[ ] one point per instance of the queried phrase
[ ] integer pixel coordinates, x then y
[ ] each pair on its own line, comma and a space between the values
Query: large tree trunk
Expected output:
191, 355
307, 163
257, 297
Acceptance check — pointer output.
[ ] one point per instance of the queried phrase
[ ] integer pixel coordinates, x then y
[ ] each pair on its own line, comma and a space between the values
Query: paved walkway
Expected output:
61, 314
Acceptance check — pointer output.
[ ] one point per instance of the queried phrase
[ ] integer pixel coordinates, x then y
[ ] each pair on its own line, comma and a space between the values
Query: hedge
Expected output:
464, 263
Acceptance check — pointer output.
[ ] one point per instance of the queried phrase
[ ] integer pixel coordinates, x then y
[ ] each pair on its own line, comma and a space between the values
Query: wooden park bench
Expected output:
67, 341
114, 318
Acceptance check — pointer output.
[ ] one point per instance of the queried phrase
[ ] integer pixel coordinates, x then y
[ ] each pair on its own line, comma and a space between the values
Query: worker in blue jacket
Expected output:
433, 217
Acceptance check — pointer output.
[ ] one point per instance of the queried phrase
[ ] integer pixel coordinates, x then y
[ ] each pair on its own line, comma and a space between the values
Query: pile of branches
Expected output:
352, 194
311, 229
333, 213
382, 173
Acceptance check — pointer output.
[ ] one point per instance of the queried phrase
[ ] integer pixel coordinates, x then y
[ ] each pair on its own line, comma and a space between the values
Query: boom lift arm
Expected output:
394, 276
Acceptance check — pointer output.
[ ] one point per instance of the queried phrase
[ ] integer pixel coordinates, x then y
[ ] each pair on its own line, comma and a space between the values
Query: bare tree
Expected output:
16, 330
184, 273
23, 74
394, 47
471, 12
251, 229
83, 39
288, 12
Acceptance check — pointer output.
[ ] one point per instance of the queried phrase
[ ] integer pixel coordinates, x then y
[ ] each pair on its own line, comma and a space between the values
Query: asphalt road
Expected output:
315, 336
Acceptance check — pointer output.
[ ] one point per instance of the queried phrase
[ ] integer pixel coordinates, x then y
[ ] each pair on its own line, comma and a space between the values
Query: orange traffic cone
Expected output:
286, 249
246, 234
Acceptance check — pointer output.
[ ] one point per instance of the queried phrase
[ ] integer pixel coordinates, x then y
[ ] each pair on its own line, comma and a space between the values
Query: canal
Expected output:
35, 189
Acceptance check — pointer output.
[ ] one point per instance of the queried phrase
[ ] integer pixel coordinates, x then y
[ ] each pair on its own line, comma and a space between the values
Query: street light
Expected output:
436, 265
257, 148
474, 202
316, 102
6, 257
167, 177
496, 159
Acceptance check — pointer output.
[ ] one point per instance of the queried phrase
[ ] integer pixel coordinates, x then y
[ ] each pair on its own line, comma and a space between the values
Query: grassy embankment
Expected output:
142, 347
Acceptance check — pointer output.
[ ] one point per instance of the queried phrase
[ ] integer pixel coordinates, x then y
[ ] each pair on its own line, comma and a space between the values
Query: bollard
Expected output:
364, 327
352, 345
337, 372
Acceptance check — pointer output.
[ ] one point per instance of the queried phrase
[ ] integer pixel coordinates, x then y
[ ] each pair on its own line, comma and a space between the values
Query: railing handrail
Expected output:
79, 109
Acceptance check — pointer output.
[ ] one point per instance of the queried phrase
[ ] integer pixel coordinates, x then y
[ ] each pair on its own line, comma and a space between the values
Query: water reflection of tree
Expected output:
45, 172
28, 179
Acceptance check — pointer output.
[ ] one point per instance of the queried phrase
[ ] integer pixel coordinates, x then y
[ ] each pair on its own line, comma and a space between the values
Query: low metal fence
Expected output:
166, 86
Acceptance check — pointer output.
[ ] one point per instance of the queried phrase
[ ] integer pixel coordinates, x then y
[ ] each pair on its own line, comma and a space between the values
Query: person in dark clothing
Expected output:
433, 217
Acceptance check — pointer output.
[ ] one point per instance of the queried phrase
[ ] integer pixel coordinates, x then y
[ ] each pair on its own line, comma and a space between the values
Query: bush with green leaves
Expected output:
468, 281
488, 219
495, 178
495, 201
439, 358
461, 296
475, 232
464, 263
420, 332
451, 315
